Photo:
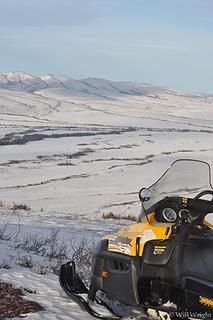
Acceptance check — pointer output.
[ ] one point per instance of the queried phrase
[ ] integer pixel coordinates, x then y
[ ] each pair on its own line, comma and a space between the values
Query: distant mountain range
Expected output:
21, 81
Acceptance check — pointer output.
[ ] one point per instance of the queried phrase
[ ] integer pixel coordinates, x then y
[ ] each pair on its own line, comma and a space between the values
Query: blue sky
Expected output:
164, 42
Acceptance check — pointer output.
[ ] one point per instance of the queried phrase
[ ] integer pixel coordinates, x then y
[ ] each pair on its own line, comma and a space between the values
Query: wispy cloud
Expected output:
134, 50
49, 12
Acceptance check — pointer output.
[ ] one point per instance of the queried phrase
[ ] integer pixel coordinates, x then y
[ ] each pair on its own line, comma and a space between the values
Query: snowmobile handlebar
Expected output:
178, 210
204, 193
195, 209
199, 208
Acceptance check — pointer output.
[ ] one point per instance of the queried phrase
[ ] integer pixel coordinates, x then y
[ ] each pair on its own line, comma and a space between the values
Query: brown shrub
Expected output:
20, 206
111, 215
130, 217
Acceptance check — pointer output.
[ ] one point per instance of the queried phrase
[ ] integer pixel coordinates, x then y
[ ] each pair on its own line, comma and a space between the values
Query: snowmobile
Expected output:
165, 261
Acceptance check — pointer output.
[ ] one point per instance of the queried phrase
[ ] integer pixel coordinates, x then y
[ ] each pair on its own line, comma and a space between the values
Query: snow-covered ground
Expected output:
48, 294
73, 150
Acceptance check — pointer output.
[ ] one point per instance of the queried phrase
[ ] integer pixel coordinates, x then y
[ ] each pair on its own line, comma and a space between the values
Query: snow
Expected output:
48, 294
74, 149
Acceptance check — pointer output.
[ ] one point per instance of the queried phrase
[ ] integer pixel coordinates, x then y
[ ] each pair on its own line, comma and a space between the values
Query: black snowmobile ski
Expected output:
74, 287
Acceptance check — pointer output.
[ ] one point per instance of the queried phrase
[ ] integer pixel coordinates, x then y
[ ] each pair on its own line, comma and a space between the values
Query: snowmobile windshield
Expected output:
185, 178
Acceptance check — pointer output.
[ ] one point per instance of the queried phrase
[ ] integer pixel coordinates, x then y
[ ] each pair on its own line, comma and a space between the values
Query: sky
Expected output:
162, 42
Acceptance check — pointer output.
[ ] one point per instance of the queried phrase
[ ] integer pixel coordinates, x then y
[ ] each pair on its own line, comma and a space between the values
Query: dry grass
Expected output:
19, 206
111, 215
1, 204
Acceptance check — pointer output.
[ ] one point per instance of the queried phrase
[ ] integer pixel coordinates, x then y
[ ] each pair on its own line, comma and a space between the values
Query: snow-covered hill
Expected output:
92, 86
93, 136
22, 81
73, 150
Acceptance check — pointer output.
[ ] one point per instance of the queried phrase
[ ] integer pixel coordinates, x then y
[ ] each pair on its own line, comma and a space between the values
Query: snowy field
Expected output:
72, 150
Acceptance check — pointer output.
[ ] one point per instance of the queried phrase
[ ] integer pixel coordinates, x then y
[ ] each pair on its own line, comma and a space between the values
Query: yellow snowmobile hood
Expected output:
130, 240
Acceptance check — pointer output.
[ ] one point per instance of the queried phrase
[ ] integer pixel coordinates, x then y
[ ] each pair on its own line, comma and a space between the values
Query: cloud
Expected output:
49, 12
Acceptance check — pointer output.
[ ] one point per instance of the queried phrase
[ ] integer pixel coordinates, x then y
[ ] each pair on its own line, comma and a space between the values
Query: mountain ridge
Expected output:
21, 81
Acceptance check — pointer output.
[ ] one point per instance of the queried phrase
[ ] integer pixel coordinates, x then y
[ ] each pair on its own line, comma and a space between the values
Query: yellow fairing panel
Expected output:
131, 240
208, 224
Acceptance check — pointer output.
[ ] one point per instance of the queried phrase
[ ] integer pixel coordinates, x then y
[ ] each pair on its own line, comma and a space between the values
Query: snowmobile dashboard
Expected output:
182, 209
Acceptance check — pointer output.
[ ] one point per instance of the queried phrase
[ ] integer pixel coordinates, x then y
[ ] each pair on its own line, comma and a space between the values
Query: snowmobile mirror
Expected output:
144, 194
